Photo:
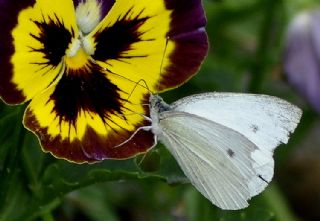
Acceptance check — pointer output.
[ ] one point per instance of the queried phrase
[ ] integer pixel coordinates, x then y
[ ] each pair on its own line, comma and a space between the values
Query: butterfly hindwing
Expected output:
216, 159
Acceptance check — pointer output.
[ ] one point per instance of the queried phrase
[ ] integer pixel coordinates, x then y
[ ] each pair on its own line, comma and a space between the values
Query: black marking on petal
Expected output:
114, 41
230, 153
264, 180
55, 39
88, 90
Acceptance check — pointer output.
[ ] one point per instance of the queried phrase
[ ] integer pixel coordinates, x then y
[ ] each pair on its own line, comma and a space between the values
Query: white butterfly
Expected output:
224, 142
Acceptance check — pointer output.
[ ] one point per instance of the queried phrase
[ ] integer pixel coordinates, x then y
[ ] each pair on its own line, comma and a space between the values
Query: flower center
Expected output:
88, 14
78, 61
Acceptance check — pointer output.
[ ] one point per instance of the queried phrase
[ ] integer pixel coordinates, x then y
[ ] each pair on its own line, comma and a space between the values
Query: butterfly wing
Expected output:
210, 157
266, 121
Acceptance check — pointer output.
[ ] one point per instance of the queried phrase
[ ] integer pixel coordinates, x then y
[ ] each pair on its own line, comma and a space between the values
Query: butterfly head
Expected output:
157, 106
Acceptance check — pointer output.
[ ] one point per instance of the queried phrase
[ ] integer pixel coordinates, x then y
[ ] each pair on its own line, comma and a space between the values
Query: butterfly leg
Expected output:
146, 128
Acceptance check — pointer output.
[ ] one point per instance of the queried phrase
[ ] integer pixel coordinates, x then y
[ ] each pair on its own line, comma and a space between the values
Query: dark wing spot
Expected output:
254, 128
85, 89
230, 153
54, 38
114, 41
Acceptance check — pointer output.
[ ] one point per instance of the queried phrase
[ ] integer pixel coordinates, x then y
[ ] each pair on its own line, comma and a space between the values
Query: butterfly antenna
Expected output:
147, 104
163, 56
135, 87
128, 79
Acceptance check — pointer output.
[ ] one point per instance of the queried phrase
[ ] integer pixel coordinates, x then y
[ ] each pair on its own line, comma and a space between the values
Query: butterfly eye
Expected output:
163, 106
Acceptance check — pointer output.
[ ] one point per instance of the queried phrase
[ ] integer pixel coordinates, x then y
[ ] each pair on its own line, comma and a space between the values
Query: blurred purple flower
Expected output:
302, 56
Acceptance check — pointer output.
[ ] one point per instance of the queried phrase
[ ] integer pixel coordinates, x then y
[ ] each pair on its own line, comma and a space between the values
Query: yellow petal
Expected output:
131, 40
84, 116
40, 39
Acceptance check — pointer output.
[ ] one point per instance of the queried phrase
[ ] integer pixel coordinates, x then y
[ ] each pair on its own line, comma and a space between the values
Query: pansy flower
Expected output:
77, 63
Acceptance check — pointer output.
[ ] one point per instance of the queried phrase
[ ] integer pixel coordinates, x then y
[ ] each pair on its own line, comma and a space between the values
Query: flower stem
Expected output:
267, 38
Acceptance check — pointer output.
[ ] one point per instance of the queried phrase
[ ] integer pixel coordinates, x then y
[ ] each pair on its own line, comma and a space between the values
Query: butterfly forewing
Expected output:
265, 120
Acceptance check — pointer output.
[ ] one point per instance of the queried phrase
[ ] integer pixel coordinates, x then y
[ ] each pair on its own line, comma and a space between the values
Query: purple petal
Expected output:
302, 56
187, 30
188, 16
8, 20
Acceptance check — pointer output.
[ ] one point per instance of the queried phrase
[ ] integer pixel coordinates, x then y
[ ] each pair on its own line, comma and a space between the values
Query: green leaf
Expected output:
48, 185
12, 184
9, 132
199, 208
92, 202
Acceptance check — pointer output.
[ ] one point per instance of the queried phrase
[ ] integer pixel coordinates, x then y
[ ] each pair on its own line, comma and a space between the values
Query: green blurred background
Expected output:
247, 40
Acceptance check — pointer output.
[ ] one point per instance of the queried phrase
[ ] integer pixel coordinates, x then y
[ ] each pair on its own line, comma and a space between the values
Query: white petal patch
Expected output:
88, 14
73, 48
